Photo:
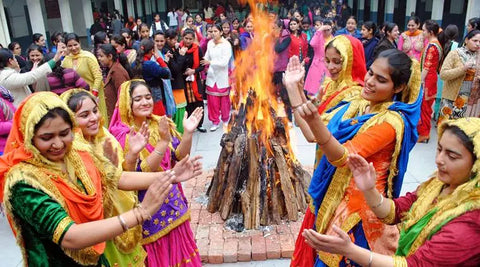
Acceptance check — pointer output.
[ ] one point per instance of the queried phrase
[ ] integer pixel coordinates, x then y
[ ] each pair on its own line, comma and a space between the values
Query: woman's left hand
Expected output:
187, 169
110, 153
189, 72
204, 62
138, 140
339, 244
190, 124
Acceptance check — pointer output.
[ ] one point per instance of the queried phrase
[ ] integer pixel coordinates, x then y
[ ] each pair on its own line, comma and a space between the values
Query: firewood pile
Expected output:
257, 177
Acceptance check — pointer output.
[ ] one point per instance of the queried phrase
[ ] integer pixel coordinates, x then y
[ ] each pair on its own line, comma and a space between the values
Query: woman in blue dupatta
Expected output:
379, 125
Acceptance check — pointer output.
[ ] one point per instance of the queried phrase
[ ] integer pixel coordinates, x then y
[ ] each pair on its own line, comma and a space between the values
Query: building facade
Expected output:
19, 19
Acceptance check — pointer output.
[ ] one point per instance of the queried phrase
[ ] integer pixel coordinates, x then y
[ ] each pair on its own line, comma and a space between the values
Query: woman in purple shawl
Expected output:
167, 237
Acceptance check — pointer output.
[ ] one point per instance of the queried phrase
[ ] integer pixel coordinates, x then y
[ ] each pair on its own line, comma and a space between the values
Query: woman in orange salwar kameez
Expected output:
380, 125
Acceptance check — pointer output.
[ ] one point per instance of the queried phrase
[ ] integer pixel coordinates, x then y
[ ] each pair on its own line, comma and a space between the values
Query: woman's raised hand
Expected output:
294, 73
362, 171
61, 51
138, 140
164, 129
157, 192
190, 124
187, 169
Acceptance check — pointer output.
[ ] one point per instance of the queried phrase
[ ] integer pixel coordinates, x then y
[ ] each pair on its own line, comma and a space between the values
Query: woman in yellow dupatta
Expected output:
167, 238
439, 222
86, 65
58, 193
123, 250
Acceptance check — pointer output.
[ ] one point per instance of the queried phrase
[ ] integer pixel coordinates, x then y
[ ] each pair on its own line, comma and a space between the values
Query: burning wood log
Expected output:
262, 180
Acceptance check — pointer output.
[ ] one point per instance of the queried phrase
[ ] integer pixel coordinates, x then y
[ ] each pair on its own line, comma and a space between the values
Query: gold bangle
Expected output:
380, 203
161, 154
341, 161
122, 223
328, 140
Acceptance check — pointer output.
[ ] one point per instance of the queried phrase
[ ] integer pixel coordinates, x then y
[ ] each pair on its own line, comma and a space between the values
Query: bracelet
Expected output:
341, 161
159, 153
139, 222
122, 223
328, 140
371, 259
379, 204
296, 106
149, 217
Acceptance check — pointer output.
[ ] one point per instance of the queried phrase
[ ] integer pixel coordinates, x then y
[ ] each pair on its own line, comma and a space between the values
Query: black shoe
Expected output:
201, 129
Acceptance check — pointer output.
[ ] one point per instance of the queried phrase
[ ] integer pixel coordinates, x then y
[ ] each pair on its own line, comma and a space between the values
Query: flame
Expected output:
254, 76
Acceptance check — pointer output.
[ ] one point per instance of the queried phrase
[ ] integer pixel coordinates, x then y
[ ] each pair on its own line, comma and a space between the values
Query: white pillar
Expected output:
4, 34
389, 7
350, 3
162, 5
374, 10
36, 16
66, 16
87, 13
437, 10
140, 9
411, 7
148, 11
361, 10
118, 5
131, 9
472, 10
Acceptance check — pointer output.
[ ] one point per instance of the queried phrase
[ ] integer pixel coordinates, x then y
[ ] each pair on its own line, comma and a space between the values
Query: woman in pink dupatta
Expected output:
167, 237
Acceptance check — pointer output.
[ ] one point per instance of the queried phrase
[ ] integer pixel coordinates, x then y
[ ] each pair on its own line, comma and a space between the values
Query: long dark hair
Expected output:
146, 46
75, 102
400, 67
5, 56
108, 49
446, 38
53, 113
299, 31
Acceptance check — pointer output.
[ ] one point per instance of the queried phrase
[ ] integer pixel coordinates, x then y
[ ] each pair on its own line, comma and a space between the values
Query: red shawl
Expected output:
194, 49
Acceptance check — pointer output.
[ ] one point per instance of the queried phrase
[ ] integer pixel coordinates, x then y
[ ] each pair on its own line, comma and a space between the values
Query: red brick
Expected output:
295, 227
272, 243
229, 233
230, 250
194, 205
202, 245
188, 192
194, 215
202, 231
283, 228
215, 251
216, 232
287, 244
216, 218
193, 226
259, 251
205, 217
190, 183
244, 249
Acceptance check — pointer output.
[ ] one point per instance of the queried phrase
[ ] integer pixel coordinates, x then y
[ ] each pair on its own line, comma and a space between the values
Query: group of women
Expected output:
365, 128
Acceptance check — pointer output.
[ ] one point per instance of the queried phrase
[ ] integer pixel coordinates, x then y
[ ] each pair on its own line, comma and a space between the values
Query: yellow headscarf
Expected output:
466, 197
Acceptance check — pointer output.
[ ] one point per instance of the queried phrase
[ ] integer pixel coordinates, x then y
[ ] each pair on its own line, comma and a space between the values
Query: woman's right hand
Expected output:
363, 172
61, 51
157, 192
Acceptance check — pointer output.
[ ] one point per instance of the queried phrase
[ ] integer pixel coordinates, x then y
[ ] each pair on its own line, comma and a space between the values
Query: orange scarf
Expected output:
415, 33
81, 207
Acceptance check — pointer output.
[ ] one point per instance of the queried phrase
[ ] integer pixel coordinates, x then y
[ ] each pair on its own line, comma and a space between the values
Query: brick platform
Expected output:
218, 245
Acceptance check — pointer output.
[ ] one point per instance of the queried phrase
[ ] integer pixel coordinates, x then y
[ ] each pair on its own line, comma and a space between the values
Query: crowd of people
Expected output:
82, 129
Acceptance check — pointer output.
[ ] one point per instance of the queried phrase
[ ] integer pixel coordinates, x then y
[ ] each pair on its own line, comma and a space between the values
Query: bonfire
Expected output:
257, 175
